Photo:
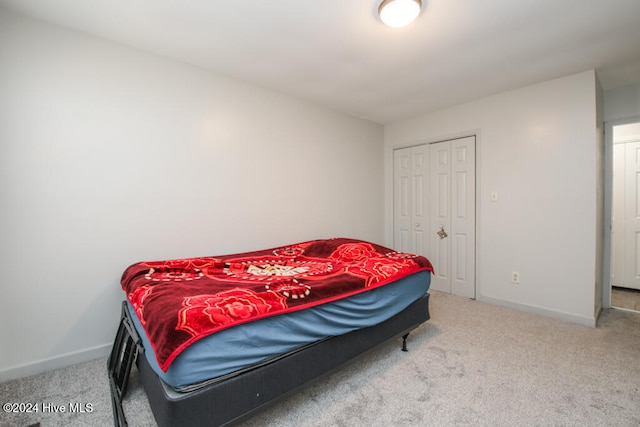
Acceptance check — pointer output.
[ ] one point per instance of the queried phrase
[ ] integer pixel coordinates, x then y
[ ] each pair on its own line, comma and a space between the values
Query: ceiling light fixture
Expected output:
398, 13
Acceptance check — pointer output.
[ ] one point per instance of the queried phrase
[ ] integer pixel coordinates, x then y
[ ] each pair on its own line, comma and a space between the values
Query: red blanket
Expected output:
181, 301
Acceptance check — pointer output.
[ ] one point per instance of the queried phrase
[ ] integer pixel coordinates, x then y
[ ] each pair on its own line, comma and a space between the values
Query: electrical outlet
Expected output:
515, 277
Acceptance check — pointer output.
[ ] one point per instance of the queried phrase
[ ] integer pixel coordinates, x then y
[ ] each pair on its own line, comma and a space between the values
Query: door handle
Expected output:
441, 233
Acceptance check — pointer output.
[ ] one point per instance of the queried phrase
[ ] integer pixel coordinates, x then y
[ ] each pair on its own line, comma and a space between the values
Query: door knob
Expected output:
441, 233
417, 224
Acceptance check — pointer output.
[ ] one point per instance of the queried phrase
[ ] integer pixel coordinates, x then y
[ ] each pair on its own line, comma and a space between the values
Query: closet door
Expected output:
452, 224
434, 210
410, 193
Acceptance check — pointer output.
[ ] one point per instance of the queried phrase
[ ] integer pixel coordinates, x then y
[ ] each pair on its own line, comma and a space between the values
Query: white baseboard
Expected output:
57, 362
586, 321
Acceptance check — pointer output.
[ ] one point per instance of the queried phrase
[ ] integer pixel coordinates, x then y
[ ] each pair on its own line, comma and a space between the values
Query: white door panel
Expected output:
401, 199
631, 277
617, 216
453, 163
410, 215
463, 220
440, 217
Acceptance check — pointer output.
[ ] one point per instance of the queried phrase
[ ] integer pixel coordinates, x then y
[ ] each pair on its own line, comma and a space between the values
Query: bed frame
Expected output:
237, 397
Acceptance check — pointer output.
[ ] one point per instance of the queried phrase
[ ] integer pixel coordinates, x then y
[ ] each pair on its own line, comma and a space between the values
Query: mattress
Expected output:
242, 347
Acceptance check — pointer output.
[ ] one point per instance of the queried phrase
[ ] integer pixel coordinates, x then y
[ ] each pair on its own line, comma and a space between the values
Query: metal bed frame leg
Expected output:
123, 355
404, 342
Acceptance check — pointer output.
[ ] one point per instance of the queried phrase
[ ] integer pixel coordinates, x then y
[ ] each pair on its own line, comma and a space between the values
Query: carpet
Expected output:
473, 363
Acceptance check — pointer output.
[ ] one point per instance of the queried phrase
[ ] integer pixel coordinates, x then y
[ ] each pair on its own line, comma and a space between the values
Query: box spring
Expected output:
240, 396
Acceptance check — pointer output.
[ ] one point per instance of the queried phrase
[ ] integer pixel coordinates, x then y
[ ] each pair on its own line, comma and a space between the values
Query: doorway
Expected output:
434, 205
624, 278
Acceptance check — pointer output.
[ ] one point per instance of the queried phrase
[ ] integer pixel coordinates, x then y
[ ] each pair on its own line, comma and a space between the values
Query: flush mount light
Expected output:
398, 13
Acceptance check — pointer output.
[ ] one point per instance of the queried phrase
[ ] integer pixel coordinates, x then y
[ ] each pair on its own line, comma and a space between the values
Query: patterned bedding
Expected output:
179, 302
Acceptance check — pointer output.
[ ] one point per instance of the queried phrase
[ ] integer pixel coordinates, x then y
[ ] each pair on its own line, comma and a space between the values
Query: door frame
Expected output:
608, 205
389, 223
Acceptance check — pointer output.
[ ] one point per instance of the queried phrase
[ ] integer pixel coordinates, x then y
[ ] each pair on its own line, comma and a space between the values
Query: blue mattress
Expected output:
232, 350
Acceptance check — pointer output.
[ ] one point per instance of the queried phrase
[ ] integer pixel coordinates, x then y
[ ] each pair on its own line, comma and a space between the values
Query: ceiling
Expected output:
338, 54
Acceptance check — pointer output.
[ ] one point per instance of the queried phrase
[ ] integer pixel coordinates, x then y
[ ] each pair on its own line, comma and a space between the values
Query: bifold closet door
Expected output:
452, 216
434, 210
410, 191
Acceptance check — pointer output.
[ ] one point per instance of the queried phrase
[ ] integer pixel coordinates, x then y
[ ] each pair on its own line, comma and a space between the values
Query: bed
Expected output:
216, 339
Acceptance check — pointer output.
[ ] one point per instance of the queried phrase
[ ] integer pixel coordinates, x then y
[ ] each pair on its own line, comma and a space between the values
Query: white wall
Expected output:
536, 148
622, 103
110, 155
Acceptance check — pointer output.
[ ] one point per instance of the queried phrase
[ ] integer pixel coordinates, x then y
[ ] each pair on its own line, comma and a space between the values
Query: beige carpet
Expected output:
472, 364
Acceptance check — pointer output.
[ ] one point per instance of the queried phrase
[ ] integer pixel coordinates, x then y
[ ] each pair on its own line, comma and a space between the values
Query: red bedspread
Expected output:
181, 301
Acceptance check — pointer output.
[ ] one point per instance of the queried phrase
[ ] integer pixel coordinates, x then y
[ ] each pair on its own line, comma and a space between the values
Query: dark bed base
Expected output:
238, 397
